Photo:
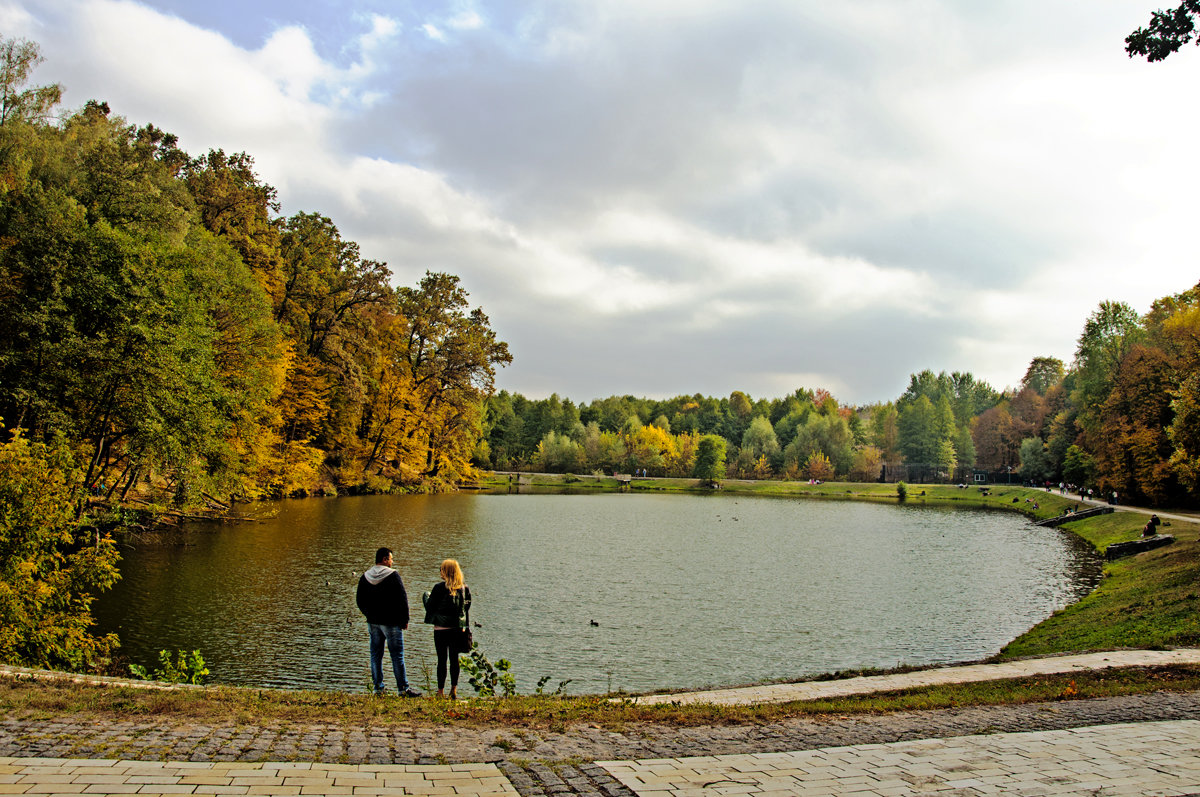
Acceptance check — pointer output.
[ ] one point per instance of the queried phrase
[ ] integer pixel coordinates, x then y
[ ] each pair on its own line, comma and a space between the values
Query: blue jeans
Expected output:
394, 635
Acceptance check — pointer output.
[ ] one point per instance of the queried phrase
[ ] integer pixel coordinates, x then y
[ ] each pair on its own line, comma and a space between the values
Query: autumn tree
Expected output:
1132, 454
448, 355
51, 565
818, 466
996, 446
885, 432
867, 464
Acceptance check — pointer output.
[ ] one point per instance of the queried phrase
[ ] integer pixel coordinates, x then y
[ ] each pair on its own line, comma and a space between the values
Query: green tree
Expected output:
1042, 374
759, 439
947, 459
1109, 333
710, 458
1078, 466
238, 207
824, 434
18, 59
1035, 464
919, 433
964, 447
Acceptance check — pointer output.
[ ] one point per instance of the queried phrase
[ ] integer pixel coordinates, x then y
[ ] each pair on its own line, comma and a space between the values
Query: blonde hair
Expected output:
452, 574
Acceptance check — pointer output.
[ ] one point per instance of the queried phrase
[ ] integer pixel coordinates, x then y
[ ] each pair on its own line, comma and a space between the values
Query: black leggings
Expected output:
443, 641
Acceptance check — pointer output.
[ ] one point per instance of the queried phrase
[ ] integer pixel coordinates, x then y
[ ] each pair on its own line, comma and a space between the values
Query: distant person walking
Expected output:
448, 610
382, 600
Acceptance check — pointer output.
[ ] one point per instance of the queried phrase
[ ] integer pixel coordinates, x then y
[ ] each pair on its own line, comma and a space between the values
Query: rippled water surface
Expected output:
687, 591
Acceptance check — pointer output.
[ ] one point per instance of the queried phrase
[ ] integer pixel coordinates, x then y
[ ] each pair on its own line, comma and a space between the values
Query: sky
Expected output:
659, 197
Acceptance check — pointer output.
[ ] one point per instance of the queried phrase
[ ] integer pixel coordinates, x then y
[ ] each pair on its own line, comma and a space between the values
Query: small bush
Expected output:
901, 490
182, 668
485, 676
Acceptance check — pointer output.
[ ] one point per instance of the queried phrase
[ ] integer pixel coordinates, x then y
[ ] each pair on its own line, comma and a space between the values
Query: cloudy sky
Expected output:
665, 196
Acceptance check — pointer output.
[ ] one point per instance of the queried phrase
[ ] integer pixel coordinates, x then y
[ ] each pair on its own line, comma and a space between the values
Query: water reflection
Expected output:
687, 591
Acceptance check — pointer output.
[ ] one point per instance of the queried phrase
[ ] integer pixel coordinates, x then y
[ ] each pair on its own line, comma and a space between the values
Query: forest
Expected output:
181, 338
1124, 417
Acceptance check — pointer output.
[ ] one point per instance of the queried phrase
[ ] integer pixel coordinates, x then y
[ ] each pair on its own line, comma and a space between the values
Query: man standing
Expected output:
382, 600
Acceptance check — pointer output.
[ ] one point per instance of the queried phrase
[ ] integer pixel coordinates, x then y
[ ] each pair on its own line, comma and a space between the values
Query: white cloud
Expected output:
846, 175
15, 18
466, 20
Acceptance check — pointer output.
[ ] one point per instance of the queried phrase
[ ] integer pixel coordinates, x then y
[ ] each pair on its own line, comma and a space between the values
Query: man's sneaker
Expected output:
410, 692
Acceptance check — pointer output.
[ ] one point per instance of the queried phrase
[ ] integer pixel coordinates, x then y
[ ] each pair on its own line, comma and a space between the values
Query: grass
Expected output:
1151, 600
23, 700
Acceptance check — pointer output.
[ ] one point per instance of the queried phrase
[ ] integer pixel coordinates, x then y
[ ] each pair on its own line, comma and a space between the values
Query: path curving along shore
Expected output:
936, 676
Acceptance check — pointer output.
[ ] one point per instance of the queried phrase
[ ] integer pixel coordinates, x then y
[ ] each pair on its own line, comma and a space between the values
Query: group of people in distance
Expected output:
383, 601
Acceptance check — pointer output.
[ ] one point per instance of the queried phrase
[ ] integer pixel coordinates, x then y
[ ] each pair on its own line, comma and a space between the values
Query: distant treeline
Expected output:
1124, 417
167, 325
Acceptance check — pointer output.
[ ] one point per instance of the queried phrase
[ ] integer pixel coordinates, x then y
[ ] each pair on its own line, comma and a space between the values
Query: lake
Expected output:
686, 591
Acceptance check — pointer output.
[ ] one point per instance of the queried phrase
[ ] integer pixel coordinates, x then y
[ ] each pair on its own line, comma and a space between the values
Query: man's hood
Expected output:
377, 573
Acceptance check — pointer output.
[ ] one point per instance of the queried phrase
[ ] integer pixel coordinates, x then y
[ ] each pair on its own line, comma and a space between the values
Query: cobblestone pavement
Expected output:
539, 763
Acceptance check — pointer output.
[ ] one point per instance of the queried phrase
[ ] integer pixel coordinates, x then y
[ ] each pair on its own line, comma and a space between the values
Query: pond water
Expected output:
685, 590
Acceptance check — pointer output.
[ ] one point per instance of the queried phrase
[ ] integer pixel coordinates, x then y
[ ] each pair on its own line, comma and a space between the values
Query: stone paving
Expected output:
1153, 758
542, 762
50, 776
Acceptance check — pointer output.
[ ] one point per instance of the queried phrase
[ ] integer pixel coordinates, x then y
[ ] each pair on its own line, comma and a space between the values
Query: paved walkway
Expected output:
816, 690
1154, 758
50, 776
1133, 745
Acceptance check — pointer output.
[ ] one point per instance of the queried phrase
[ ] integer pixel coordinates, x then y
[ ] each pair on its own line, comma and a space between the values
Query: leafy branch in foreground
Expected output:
1166, 33
486, 677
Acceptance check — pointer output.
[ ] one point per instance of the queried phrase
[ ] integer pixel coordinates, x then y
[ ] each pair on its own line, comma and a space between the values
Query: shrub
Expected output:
182, 668
51, 564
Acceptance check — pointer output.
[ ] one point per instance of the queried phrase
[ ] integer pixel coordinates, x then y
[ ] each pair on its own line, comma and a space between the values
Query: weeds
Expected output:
178, 668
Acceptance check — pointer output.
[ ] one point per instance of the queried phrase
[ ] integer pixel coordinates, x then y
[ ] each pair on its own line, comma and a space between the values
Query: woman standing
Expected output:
448, 610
